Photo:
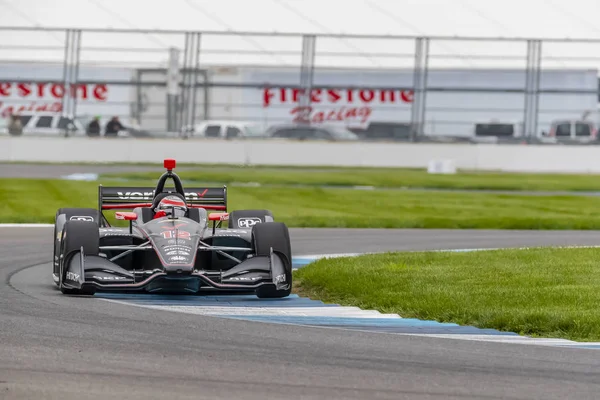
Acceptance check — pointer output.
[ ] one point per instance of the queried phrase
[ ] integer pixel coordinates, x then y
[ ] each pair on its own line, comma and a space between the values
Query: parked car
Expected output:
50, 124
573, 129
224, 129
384, 131
318, 132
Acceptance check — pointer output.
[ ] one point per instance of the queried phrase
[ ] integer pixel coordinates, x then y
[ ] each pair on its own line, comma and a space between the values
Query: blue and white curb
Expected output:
295, 310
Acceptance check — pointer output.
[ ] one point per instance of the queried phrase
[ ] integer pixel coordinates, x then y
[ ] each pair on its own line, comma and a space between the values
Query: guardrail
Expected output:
485, 157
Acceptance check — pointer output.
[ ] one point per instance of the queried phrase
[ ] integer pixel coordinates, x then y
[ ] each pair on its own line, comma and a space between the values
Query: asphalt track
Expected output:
58, 347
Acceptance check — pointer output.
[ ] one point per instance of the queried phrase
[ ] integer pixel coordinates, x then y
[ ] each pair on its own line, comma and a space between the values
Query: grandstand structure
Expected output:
304, 37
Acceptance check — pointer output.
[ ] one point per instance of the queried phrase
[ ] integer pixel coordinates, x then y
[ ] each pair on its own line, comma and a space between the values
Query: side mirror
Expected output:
126, 216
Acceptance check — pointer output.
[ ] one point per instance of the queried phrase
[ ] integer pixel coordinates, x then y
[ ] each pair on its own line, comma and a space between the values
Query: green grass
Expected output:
382, 177
537, 292
37, 200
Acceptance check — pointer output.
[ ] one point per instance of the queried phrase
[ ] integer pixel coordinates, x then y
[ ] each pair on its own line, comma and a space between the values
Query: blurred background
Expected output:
420, 71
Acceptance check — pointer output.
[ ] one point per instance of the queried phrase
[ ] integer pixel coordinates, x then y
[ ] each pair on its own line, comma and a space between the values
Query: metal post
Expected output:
183, 97
419, 87
66, 65
536, 88
75, 77
532, 82
196, 72
191, 60
172, 89
424, 77
526, 106
307, 75
70, 75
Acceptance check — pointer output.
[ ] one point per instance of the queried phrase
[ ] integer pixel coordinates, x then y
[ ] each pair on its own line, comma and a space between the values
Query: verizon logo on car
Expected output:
150, 195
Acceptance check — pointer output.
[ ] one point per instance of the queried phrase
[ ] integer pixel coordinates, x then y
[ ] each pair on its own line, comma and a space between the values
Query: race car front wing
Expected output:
91, 271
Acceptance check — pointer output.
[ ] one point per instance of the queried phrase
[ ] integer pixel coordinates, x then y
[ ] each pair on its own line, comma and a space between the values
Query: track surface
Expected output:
58, 347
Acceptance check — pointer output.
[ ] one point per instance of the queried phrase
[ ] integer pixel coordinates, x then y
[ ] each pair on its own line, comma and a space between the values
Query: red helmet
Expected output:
171, 206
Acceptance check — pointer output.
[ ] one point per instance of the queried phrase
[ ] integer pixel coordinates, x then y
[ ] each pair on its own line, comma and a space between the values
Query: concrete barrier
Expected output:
485, 157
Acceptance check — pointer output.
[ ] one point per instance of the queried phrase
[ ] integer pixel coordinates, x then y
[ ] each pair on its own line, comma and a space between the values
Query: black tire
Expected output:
256, 216
75, 235
63, 215
277, 236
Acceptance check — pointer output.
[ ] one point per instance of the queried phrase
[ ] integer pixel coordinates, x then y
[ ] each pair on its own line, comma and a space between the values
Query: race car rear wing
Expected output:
123, 198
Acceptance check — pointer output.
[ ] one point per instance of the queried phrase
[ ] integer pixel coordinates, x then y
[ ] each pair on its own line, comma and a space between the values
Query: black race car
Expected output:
163, 252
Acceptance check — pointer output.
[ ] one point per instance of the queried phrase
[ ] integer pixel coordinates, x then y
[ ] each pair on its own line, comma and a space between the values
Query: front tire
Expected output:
75, 235
273, 235
62, 216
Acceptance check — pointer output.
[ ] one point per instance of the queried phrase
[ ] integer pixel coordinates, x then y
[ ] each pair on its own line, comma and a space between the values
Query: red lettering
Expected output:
100, 92
407, 96
350, 95
364, 113
296, 93
315, 96
367, 95
318, 118
5, 89
283, 94
383, 96
77, 90
334, 95
24, 89
57, 91
267, 95
308, 115
40, 89
351, 113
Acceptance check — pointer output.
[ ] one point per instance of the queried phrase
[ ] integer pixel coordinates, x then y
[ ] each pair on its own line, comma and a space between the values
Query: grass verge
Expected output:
36, 200
382, 177
538, 292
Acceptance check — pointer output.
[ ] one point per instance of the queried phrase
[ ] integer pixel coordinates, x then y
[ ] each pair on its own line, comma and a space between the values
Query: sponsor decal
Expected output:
177, 252
280, 278
30, 97
180, 247
72, 276
244, 278
81, 218
343, 105
150, 195
110, 278
248, 222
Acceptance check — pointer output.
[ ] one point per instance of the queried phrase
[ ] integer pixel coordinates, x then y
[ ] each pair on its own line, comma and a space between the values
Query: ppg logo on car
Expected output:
248, 222
82, 218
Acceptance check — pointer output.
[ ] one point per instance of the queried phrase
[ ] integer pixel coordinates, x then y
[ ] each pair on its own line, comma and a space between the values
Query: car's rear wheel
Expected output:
273, 235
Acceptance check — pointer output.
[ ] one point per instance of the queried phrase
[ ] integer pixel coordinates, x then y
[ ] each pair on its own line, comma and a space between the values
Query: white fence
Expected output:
488, 157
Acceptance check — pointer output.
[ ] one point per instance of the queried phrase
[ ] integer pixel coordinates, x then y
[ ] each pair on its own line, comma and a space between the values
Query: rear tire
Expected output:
249, 218
75, 235
62, 216
277, 236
